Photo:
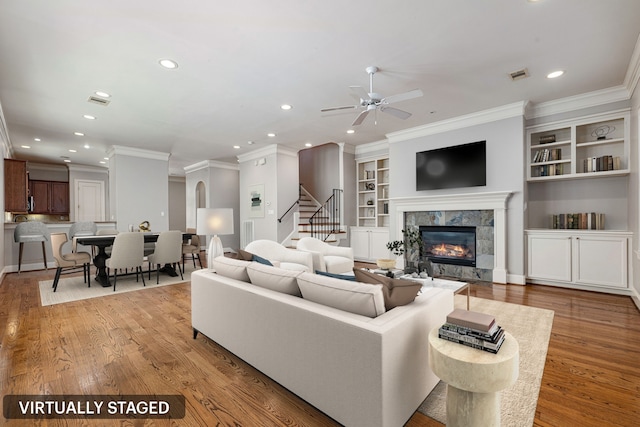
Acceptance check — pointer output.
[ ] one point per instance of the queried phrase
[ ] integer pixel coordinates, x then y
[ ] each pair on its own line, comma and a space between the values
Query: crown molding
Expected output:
137, 152
633, 70
573, 103
486, 116
372, 147
48, 167
266, 151
208, 164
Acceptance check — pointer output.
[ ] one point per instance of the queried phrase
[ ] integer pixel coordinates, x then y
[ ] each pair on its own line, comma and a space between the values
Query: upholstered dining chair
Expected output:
127, 252
168, 251
68, 261
107, 232
82, 228
192, 248
31, 231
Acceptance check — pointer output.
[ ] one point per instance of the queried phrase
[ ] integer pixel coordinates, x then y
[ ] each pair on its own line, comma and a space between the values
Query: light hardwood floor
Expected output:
141, 342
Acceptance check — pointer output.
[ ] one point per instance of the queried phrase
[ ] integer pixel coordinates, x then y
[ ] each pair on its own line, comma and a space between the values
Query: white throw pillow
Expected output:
276, 279
232, 268
354, 297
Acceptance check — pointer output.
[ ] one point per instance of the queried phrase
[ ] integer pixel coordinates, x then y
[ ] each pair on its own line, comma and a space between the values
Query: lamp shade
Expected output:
214, 221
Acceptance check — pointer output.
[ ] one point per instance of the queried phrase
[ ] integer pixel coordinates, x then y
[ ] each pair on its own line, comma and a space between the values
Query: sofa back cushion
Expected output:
276, 279
396, 291
232, 268
354, 297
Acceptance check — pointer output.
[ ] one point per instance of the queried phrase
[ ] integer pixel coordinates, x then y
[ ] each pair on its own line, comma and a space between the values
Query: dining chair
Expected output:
168, 251
31, 231
68, 261
127, 252
82, 228
192, 248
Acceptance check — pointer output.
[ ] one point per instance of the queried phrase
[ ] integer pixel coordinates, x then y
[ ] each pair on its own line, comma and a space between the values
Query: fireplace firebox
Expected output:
449, 244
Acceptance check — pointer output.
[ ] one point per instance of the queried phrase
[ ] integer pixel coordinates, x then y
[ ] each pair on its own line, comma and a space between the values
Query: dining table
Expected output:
102, 242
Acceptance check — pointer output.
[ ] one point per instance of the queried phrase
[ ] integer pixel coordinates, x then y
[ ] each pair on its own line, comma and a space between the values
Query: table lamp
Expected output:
213, 222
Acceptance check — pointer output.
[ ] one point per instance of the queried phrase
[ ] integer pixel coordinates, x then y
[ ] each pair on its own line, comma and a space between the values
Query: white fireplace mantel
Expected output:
496, 201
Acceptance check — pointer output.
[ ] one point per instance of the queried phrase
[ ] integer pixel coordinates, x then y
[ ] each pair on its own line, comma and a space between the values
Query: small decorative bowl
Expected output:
386, 264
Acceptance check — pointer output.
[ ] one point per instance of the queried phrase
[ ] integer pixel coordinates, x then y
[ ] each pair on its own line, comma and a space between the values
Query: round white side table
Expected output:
474, 379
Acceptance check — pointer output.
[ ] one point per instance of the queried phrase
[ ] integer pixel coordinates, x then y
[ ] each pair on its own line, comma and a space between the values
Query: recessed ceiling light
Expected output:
87, 146
555, 74
25, 146
89, 117
236, 147
168, 63
250, 142
73, 151
286, 107
37, 139
102, 162
78, 134
351, 131
308, 144
106, 158
67, 160
102, 94
271, 135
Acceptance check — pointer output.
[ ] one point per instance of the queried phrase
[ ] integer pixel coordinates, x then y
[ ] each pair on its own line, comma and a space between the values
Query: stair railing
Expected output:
326, 220
297, 202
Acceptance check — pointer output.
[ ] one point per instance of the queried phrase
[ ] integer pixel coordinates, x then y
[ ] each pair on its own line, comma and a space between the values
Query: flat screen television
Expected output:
452, 167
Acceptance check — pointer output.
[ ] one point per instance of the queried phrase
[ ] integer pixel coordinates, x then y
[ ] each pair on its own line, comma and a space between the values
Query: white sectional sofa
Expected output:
358, 369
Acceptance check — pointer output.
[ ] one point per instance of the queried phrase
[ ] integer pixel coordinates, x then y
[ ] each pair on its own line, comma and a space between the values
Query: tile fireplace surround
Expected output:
486, 211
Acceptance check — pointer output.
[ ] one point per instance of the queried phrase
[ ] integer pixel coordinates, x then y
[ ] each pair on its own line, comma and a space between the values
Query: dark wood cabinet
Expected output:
49, 197
15, 186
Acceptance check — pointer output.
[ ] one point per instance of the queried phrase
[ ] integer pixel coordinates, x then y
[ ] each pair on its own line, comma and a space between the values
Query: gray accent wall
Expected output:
505, 172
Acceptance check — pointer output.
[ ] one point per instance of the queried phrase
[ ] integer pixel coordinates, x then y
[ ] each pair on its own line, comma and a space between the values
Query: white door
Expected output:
89, 200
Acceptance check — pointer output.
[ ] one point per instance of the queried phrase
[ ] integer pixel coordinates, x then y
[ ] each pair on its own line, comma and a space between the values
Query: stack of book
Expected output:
477, 330
599, 164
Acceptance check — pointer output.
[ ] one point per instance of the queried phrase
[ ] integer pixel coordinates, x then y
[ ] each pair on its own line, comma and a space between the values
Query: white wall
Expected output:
634, 195
177, 203
505, 172
138, 189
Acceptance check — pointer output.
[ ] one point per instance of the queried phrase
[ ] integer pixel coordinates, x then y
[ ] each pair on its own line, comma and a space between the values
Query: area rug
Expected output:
531, 327
74, 288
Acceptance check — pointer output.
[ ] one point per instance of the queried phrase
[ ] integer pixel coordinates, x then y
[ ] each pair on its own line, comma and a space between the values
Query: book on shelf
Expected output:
600, 164
547, 155
578, 221
550, 170
473, 342
472, 319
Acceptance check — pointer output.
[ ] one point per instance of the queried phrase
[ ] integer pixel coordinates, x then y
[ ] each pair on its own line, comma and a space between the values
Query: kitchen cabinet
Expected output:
15, 186
49, 197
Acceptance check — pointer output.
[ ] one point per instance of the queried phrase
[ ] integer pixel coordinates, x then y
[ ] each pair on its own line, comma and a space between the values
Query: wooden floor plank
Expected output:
141, 342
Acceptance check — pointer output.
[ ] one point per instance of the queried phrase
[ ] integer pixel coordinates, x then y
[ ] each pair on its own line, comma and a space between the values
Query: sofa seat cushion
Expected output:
396, 291
232, 268
338, 264
276, 279
359, 298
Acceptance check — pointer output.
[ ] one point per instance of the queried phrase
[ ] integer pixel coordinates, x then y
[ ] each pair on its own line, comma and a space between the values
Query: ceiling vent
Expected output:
519, 75
99, 101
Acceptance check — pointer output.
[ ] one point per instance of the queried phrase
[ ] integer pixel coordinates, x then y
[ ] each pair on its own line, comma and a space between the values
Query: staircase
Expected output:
307, 207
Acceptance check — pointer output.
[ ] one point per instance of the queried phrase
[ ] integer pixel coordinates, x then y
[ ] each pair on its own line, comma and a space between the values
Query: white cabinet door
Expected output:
378, 244
360, 243
601, 261
549, 257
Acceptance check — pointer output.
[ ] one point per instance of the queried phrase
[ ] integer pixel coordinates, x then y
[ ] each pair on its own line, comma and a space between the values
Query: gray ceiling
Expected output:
239, 61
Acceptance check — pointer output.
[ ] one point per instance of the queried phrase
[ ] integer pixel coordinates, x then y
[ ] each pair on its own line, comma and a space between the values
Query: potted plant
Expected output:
407, 247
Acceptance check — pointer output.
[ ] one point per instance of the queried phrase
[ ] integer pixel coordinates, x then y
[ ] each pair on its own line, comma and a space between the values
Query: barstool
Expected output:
31, 231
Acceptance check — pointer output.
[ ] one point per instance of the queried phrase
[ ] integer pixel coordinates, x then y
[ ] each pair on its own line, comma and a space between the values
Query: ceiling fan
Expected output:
373, 101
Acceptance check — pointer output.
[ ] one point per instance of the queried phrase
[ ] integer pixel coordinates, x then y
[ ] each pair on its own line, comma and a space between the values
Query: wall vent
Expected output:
99, 101
520, 74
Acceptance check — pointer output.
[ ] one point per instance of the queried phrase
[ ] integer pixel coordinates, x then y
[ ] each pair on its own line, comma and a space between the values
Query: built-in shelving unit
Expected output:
579, 169
373, 193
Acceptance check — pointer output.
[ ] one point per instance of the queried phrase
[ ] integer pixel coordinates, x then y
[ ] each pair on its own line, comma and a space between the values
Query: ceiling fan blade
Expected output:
360, 118
416, 93
360, 92
346, 107
395, 112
